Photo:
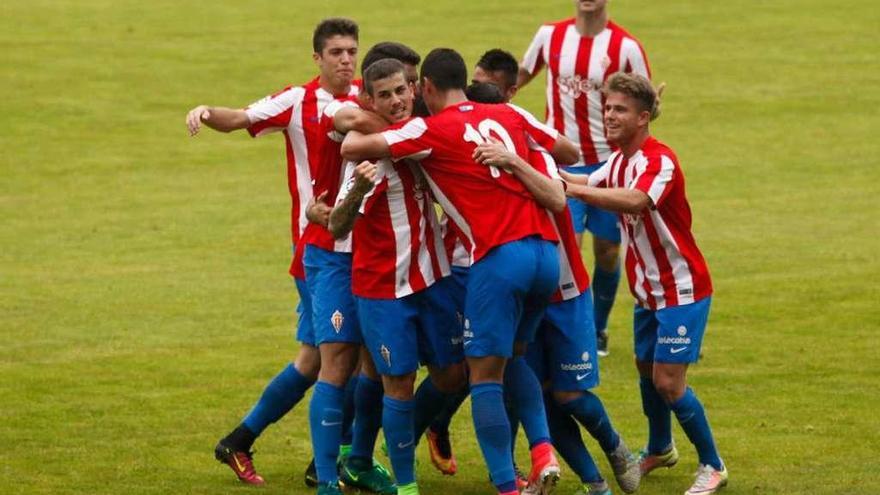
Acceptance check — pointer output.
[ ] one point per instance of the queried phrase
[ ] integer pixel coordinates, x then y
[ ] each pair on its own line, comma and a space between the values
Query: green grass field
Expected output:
144, 299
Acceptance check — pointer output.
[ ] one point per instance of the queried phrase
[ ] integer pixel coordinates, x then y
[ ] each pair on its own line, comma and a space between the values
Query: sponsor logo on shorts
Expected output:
336, 320
582, 376
676, 350
456, 340
468, 334
386, 355
576, 367
467, 324
585, 356
682, 338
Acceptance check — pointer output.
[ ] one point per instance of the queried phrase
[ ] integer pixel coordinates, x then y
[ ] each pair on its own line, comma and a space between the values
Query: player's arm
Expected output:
565, 152
317, 211
570, 178
548, 192
357, 119
533, 59
218, 118
358, 146
343, 215
619, 200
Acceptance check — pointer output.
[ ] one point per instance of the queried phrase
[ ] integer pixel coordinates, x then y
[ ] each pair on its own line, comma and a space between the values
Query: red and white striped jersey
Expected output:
398, 249
577, 67
663, 264
490, 207
456, 252
296, 112
328, 177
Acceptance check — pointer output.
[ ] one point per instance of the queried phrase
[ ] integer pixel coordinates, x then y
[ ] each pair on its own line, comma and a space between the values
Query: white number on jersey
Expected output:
487, 127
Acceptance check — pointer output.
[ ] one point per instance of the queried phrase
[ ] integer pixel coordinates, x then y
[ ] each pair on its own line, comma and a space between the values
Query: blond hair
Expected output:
637, 87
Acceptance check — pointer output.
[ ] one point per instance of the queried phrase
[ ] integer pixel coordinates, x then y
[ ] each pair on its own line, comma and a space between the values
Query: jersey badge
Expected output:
386, 355
336, 320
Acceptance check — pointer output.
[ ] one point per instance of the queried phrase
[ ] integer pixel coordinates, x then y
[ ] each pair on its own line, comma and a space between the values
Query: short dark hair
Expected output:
484, 93
638, 87
381, 69
499, 60
446, 69
334, 26
390, 49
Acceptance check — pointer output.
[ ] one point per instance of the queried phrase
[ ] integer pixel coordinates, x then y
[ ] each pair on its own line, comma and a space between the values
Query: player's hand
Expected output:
365, 176
195, 117
493, 153
581, 179
317, 211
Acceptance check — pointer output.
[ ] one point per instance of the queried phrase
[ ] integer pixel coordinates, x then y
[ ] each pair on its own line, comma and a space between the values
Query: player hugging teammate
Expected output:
493, 298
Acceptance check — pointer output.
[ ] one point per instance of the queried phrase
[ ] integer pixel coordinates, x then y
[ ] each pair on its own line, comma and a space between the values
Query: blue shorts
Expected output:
457, 286
564, 349
334, 313
601, 223
305, 332
507, 292
419, 328
671, 335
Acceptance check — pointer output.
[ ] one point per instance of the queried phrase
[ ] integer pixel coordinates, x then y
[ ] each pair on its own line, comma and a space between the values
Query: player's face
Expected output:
392, 98
590, 6
494, 77
338, 60
623, 118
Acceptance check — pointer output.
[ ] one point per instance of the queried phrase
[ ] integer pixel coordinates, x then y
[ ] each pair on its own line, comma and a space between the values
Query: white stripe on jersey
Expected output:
631, 57
681, 272
596, 72
453, 213
402, 232
567, 64
304, 181
662, 179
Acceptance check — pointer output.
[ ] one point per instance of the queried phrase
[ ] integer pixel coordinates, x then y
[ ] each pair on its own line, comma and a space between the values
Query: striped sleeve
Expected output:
633, 58
409, 141
540, 136
533, 60
599, 178
656, 179
273, 113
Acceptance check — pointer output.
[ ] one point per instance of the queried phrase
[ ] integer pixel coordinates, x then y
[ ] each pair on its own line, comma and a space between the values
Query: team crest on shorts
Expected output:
386, 355
336, 320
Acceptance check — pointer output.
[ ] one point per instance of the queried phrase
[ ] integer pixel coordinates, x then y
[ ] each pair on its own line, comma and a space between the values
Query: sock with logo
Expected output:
279, 397
397, 421
659, 417
692, 418
429, 402
348, 410
604, 289
450, 407
524, 391
368, 414
493, 433
568, 442
589, 411
325, 420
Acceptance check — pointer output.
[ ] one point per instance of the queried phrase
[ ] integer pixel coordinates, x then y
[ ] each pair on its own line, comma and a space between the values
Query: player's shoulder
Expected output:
617, 28
654, 149
568, 21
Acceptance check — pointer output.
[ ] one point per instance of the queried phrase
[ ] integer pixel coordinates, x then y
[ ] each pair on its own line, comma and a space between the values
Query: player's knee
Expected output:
450, 379
308, 362
669, 388
607, 254
399, 387
646, 369
566, 396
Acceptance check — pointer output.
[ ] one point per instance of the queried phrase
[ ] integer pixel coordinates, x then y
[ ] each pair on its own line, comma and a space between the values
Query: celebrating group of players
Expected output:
493, 296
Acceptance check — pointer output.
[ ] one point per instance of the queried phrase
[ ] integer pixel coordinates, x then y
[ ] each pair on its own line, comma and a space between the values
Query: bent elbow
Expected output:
348, 150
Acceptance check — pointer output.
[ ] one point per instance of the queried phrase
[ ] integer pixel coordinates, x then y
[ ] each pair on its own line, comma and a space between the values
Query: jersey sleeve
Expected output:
656, 179
273, 113
599, 178
541, 137
329, 113
533, 60
380, 186
633, 58
414, 140
544, 163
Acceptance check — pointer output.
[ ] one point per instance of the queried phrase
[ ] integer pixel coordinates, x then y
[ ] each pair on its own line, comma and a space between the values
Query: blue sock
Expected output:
325, 420
692, 418
513, 417
397, 421
368, 405
450, 407
279, 397
493, 433
429, 402
589, 411
567, 441
659, 419
604, 290
524, 390
348, 411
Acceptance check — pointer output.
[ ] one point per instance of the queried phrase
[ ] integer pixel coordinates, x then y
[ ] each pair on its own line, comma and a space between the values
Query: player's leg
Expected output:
567, 440
577, 208
283, 392
606, 271
680, 336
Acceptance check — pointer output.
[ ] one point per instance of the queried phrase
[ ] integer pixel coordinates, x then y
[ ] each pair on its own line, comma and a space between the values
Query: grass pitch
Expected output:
143, 294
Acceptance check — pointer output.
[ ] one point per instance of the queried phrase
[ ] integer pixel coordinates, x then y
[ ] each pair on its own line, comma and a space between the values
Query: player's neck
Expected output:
590, 24
632, 147
335, 90
452, 97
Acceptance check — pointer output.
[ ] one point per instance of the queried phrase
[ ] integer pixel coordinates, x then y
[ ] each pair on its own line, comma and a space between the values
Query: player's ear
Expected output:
511, 92
316, 57
644, 118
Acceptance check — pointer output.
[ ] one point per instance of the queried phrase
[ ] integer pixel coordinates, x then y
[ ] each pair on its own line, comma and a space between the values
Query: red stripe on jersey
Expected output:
667, 280
416, 279
556, 40
581, 107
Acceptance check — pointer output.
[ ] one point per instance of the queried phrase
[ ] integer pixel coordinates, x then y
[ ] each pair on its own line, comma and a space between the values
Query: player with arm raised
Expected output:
506, 231
667, 274
293, 111
580, 53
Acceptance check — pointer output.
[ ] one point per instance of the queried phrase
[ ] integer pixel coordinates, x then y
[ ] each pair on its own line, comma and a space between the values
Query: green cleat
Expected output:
374, 478
594, 488
408, 489
329, 489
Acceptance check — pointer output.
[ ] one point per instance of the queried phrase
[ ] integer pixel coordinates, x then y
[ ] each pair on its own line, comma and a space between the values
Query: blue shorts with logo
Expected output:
305, 332
458, 287
601, 223
507, 292
564, 349
334, 313
420, 328
671, 335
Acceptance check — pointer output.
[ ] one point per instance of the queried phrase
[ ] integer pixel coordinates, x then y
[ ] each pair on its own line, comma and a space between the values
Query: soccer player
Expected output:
668, 276
400, 277
500, 68
295, 112
510, 237
580, 54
